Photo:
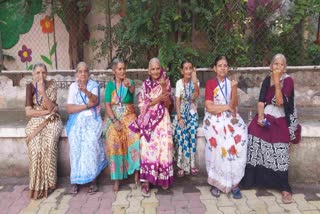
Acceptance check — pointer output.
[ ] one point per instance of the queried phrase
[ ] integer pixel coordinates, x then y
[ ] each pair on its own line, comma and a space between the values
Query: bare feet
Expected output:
136, 179
286, 197
116, 186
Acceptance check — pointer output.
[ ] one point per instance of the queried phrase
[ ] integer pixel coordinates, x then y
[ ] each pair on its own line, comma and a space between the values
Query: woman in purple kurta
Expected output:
271, 132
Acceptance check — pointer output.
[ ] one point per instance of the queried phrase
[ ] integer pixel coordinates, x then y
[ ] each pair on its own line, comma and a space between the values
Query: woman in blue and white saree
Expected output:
84, 129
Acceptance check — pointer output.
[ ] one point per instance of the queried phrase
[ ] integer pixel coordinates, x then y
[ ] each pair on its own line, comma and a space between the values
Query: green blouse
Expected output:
126, 95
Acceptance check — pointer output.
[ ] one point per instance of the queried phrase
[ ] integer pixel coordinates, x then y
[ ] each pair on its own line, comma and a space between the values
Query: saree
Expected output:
156, 145
226, 137
268, 147
42, 136
185, 138
123, 148
84, 130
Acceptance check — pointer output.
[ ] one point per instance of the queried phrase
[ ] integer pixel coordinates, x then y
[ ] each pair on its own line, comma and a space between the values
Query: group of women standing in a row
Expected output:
143, 145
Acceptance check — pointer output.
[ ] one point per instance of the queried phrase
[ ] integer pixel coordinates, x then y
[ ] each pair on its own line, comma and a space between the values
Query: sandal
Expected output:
145, 190
93, 189
74, 189
180, 173
215, 192
286, 197
236, 193
194, 171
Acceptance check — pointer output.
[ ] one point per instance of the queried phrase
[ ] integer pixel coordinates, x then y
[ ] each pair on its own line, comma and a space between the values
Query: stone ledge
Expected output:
308, 130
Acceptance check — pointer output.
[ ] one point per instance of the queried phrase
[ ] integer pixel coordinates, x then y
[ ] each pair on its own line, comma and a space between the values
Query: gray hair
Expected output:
154, 60
115, 62
40, 64
279, 56
82, 64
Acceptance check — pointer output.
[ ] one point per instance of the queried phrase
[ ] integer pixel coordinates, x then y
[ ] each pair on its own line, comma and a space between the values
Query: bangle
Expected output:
113, 120
87, 106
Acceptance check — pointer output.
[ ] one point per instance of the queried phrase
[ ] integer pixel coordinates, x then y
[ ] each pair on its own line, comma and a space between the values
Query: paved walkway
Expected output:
188, 195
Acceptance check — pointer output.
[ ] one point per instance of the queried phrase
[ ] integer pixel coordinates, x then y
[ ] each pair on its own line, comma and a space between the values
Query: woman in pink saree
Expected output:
156, 145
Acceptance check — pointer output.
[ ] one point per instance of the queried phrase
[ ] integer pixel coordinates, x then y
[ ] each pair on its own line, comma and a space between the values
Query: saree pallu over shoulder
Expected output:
226, 147
123, 147
84, 130
42, 138
156, 137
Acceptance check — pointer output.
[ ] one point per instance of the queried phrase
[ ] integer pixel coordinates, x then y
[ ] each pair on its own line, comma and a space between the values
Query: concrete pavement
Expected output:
187, 195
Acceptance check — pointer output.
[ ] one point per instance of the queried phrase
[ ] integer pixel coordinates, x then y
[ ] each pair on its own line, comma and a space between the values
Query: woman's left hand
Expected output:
127, 82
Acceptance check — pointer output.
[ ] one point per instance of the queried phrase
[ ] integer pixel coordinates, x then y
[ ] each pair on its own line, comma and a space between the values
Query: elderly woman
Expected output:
42, 132
225, 133
84, 129
122, 143
185, 122
271, 132
156, 145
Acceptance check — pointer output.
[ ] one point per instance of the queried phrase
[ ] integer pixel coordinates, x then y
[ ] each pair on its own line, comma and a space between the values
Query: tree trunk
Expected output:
78, 30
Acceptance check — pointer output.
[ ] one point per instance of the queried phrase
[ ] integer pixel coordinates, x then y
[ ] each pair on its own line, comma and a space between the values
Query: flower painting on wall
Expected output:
25, 56
47, 25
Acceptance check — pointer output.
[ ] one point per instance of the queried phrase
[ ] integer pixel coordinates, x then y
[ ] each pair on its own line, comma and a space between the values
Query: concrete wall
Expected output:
304, 157
307, 90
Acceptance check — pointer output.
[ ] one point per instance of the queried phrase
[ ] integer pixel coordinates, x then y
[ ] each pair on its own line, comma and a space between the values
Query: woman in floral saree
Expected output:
156, 145
42, 132
225, 132
122, 143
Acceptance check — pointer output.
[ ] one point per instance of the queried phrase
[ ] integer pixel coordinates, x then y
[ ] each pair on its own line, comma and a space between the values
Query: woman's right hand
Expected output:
181, 123
117, 125
259, 121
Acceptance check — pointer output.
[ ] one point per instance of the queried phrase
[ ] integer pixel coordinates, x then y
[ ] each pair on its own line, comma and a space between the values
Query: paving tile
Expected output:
315, 203
121, 198
20, 188
33, 207
195, 204
292, 208
272, 205
303, 205
197, 210
166, 212
311, 212
224, 201
178, 194
45, 208
241, 205
211, 206
64, 203
180, 205
259, 208
205, 193
227, 210
150, 208
135, 198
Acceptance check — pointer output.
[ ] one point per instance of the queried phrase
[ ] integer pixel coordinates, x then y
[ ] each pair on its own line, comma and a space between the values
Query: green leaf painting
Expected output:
16, 18
46, 59
53, 49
